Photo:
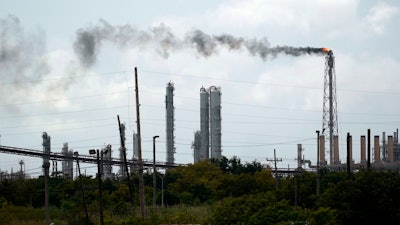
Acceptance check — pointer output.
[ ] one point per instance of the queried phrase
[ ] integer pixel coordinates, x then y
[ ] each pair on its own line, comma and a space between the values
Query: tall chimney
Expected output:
336, 150
377, 157
299, 159
351, 149
322, 160
384, 147
362, 150
390, 148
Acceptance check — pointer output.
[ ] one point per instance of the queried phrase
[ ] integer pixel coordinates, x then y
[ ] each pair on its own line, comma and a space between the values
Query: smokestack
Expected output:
384, 146
351, 148
348, 161
362, 150
377, 157
336, 160
322, 160
299, 159
170, 123
369, 149
390, 149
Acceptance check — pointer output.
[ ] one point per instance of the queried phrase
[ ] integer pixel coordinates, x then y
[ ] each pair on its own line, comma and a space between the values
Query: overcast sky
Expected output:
54, 79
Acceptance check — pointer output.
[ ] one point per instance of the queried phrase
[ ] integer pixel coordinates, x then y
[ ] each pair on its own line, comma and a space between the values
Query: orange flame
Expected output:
325, 49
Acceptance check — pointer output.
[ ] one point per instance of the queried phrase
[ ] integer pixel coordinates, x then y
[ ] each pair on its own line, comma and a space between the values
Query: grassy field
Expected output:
17, 215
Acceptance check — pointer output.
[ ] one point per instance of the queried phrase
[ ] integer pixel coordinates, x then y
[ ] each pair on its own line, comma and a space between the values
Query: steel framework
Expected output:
329, 118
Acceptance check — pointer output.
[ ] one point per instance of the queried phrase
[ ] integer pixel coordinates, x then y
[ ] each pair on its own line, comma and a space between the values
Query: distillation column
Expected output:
170, 120
215, 122
204, 124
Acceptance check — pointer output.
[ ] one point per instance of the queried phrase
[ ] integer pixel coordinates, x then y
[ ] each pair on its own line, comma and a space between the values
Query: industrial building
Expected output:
207, 141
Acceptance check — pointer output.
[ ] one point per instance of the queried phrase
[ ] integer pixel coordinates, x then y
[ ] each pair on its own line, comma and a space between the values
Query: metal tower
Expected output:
170, 120
329, 117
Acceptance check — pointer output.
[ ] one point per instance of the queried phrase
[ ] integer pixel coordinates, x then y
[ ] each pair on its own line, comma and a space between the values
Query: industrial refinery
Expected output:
207, 143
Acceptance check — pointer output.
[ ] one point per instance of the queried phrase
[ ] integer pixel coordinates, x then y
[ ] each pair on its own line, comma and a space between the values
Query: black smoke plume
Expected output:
89, 40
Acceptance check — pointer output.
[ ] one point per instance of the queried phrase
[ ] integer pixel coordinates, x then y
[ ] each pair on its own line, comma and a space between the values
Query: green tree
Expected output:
201, 180
366, 197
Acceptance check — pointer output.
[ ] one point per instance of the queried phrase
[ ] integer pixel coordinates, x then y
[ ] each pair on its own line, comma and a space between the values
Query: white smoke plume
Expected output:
21, 56
25, 65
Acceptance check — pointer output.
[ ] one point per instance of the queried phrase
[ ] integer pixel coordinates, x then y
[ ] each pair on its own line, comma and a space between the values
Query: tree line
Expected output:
224, 191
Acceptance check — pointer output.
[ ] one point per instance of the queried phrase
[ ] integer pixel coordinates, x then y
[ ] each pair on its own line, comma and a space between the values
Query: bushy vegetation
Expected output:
213, 192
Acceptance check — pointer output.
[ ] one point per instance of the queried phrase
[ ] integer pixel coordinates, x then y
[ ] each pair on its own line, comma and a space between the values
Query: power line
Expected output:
65, 112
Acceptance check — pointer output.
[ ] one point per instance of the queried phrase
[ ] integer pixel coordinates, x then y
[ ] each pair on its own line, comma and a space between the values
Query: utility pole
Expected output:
276, 169
46, 167
348, 153
154, 172
369, 150
162, 190
296, 188
318, 175
125, 162
99, 155
141, 182
46, 192
100, 188
82, 190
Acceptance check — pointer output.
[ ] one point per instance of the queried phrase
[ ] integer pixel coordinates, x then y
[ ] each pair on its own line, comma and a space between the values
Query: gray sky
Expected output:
48, 84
